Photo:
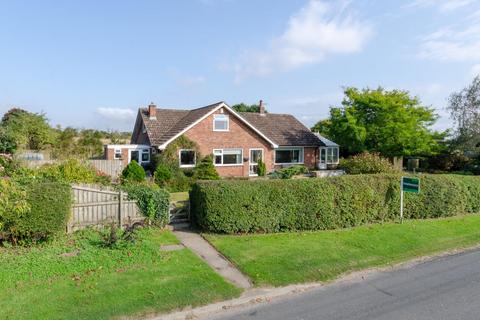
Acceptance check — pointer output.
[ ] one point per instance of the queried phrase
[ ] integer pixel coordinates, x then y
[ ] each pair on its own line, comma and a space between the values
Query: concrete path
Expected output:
204, 250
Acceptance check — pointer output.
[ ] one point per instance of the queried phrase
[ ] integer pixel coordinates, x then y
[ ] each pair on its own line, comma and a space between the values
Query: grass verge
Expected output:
76, 278
287, 258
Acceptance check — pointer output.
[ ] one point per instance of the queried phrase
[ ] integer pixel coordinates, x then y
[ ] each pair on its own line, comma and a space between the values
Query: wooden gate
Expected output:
98, 207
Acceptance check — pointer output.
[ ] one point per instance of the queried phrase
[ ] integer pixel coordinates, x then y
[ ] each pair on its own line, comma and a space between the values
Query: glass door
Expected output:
135, 155
255, 155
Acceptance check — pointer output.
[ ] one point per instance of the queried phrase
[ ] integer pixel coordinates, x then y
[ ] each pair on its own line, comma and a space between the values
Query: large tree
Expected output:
390, 122
27, 130
464, 107
242, 107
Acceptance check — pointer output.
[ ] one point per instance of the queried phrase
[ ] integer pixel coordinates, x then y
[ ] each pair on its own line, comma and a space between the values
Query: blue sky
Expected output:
93, 63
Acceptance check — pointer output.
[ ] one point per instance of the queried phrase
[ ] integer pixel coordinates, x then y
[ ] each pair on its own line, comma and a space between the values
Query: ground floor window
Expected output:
228, 156
145, 155
329, 155
118, 154
187, 158
289, 155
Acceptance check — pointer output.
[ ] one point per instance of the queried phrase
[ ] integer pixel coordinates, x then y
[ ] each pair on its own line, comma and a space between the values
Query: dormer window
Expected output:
221, 122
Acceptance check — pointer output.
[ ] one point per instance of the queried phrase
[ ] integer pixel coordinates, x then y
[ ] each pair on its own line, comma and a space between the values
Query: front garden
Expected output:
82, 276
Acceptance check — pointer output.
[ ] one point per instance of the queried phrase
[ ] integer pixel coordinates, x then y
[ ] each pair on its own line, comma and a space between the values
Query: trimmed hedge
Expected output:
236, 206
46, 214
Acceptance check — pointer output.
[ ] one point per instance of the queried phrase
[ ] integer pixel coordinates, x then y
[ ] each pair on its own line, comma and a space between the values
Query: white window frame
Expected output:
332, 151
302, 155
187, 165
228, 164
215, 116
142, 152
117, 154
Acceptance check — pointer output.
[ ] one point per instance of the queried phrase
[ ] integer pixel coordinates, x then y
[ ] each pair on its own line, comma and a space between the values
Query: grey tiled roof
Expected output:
170, 122
282, 129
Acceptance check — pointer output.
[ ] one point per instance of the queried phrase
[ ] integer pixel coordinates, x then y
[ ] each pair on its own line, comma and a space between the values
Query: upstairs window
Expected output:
221, 122
187, 158
118, 154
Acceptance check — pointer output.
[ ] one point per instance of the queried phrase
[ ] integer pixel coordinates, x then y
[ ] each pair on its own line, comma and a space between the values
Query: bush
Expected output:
205, 170
69, 171
162, 174
133, 172
13, 205
230, 206
261, 168
367, 163
154, 203
289, 172
46, 214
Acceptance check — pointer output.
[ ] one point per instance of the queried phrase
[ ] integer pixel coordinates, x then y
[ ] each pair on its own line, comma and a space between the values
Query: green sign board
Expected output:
411, 185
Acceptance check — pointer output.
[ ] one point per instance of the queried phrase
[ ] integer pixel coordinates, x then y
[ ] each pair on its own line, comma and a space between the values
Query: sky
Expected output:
92, 64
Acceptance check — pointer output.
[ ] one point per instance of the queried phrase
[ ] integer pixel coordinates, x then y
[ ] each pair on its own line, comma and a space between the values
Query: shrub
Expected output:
47, 214
205, 170
261, 168
133, 172
162, 174
367, 163
13, 205
230, 206
154, 203
69, 171
289, 172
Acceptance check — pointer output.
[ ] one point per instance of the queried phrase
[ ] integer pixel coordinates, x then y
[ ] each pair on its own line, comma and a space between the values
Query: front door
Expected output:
255, 155
135, 155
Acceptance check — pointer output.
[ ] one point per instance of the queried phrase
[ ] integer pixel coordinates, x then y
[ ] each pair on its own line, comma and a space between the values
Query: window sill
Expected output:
229, 165
221, 130
187, 166
287, 163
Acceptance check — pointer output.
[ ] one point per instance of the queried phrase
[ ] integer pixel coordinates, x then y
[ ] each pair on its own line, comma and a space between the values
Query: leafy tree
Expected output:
163, 174
90, 143
242, 107
133, 172
464, 107
205, 170
26, 130
389, 122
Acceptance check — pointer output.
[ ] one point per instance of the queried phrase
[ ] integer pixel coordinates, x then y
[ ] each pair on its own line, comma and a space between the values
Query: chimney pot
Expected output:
152, 111
261, 107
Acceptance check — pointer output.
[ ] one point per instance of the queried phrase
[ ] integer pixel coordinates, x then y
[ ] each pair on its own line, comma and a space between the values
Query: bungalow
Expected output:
236, 140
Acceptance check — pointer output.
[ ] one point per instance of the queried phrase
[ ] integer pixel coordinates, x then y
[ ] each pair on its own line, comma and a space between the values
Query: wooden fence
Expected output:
112, 168
98, 207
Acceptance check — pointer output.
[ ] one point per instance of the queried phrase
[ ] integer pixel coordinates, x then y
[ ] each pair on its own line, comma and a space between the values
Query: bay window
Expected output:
329, 155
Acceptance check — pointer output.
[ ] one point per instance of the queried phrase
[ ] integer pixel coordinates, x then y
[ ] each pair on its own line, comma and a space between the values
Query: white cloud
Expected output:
191, 81
453, 43
442, 5
318, 30
117, 114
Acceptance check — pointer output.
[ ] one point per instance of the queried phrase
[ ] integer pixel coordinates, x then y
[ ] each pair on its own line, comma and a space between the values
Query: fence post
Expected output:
120, 208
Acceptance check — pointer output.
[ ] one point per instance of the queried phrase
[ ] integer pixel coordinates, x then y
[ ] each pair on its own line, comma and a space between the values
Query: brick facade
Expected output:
242, 137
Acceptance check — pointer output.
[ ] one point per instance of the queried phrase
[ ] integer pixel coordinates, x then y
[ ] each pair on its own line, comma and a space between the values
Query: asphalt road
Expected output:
445, 288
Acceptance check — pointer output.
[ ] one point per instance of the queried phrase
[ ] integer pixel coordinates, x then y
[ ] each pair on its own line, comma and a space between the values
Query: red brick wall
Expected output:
238, 136
110, 154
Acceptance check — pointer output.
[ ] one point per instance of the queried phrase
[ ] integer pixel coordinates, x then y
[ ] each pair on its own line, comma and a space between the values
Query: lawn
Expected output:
286, 258
77, 278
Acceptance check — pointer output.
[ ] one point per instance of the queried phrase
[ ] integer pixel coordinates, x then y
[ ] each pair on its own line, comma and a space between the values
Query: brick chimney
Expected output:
152, 111
261, 107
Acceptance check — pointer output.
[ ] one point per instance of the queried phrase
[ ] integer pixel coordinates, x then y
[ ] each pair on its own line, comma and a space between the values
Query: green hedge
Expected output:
233, 206
154, 203
47, 212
